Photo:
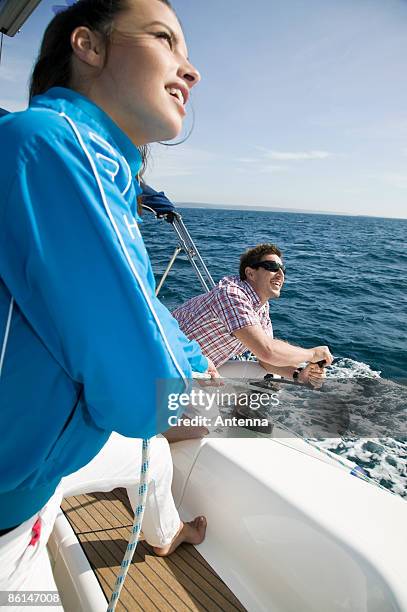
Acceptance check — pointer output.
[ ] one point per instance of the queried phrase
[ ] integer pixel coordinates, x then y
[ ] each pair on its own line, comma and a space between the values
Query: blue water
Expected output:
346, 282
346, 286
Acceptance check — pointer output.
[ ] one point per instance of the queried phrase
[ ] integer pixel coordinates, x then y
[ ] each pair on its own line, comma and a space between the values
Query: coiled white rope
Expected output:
135, 533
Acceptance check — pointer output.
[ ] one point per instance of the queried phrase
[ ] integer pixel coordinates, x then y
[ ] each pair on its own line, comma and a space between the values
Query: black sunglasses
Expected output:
271, 266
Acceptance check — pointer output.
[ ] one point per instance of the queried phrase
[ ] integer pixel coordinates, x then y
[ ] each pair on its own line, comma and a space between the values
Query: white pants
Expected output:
26, 567
118, 465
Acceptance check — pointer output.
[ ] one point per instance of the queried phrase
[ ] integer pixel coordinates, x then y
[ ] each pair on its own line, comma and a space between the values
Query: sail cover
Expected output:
157, 200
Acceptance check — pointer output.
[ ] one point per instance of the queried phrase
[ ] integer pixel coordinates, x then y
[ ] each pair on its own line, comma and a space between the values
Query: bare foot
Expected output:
182, 432
192, 533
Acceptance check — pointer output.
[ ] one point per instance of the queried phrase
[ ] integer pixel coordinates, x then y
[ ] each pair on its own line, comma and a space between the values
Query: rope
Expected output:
138, 519
1, 45
135, 534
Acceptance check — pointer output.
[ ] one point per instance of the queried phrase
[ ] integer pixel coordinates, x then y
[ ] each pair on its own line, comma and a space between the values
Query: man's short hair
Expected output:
253, 256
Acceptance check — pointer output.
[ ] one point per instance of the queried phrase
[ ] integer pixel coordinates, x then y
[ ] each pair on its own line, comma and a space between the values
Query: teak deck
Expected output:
182, 582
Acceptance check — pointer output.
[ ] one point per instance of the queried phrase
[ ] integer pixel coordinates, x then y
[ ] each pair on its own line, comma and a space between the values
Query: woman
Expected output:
85, 341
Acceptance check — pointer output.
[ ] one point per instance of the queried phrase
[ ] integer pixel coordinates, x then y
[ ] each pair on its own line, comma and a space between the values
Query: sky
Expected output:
302, 104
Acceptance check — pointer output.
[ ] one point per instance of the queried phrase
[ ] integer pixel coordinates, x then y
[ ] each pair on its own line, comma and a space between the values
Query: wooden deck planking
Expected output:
111, 546
158, 571
183, 582
201, 565
107, 575
79, 514
100, 516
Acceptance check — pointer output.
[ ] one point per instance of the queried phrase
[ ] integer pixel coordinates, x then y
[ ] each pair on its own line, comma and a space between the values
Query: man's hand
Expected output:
321, 353
312, 374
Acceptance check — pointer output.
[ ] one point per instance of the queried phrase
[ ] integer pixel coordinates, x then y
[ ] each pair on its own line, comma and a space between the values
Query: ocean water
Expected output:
346, 286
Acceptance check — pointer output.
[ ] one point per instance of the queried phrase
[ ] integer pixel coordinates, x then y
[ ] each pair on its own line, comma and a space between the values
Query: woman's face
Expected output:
147, 79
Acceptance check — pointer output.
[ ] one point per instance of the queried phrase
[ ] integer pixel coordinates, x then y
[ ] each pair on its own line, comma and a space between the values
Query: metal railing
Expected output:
185, 244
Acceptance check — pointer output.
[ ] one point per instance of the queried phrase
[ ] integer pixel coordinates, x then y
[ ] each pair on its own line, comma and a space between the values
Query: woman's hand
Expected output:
214, 374
212, 371
215, 379
312, 374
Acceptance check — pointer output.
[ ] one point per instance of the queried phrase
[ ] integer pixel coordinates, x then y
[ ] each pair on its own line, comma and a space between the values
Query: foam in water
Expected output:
348, 368
383, 459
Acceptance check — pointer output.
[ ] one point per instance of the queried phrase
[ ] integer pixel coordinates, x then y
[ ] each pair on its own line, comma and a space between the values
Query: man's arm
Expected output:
276, 352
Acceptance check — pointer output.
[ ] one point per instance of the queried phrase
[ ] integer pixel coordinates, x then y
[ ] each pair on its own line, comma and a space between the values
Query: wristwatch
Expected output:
296, 373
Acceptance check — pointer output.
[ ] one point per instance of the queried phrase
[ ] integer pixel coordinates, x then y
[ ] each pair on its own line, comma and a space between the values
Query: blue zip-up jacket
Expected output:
84, 342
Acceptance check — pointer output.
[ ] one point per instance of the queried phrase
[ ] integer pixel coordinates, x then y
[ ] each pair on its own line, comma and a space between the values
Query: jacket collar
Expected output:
68, 99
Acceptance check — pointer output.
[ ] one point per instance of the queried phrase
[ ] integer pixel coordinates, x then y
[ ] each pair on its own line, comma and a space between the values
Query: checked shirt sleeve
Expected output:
234, 309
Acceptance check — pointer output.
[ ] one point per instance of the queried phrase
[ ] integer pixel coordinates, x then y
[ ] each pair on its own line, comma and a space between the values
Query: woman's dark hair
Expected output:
253, 256
53, 65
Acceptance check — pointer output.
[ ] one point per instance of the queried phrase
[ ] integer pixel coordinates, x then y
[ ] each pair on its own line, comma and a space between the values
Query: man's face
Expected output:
266, 284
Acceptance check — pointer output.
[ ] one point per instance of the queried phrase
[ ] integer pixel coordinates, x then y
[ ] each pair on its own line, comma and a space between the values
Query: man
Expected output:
234, 317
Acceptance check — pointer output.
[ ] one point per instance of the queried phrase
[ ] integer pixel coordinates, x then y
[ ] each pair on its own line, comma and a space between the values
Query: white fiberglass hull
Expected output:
288, 529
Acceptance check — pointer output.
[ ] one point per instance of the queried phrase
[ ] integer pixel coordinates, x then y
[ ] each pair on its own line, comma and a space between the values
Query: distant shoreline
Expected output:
259, 208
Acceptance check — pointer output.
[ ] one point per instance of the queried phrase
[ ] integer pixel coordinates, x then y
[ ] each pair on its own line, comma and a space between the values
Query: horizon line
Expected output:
263, 208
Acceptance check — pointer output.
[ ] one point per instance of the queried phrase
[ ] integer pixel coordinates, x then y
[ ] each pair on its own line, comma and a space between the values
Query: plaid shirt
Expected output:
211, 318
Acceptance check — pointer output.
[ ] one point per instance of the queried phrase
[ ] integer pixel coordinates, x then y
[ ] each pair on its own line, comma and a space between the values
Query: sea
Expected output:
346, 287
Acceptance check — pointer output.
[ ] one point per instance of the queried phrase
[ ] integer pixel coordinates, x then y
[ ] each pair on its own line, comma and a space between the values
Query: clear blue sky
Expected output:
301, 105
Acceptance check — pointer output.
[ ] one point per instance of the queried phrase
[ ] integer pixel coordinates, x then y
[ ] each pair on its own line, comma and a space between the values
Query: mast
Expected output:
14, 13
